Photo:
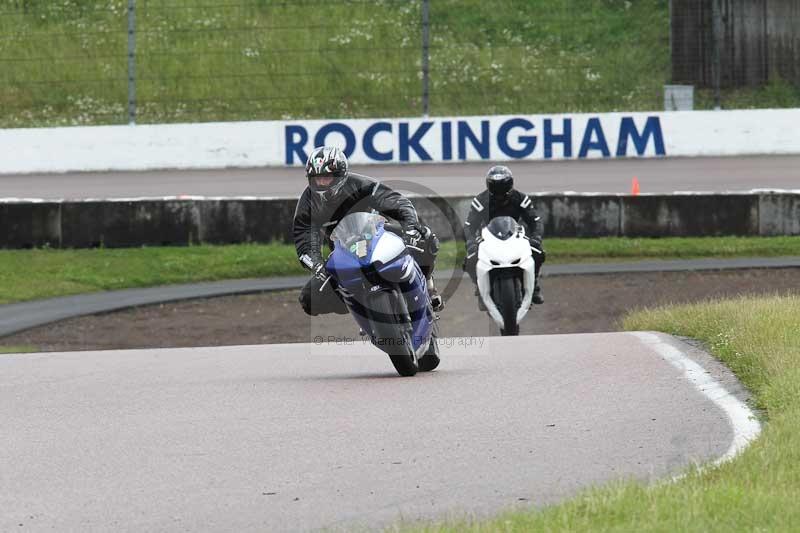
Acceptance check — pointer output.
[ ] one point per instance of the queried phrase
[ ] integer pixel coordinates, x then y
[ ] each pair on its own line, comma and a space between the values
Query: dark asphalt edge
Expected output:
18, 317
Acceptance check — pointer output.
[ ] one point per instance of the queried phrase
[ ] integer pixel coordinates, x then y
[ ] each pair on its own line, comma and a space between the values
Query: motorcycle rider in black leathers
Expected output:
332, 193
501, 199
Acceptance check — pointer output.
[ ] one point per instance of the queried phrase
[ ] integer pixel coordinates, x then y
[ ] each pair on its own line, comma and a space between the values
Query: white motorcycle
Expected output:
506, 273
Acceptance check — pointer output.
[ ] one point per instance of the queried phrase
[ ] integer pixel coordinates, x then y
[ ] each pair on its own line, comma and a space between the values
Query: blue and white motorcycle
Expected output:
385, 291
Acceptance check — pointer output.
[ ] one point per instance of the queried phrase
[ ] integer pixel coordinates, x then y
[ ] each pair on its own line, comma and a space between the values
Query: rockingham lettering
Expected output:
412, 141
481, 138
550, 138
593, 139
528, 142
369, 142
652, 128
479, 143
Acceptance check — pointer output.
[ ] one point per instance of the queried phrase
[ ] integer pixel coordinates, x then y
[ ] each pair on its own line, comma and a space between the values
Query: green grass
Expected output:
759, 339
23, 348
47, 273
64, 63
776, 94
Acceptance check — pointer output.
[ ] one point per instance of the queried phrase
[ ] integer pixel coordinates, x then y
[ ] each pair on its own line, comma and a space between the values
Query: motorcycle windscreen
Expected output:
503, 227
356, 228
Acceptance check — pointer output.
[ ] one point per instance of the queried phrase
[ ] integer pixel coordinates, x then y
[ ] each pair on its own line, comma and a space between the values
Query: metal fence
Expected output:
154, 61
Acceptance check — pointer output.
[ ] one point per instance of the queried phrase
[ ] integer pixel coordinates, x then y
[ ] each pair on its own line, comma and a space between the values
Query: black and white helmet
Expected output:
499, 181
326, 170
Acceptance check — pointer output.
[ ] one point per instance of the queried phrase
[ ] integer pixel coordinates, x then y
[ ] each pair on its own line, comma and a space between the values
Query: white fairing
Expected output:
389, 246
505, 254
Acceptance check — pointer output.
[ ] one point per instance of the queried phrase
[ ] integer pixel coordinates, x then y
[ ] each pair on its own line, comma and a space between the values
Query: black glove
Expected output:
320, 273
536, 242
472, 248
412, 236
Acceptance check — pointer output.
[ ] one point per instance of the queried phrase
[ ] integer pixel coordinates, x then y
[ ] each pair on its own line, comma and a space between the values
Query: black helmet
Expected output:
326, 162
499, 181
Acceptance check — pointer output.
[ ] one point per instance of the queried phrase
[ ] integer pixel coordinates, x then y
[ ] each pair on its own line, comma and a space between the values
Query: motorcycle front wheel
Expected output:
507, 292
392, 333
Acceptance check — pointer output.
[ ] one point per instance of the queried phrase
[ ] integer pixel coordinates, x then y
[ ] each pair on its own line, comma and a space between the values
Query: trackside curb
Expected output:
743, 421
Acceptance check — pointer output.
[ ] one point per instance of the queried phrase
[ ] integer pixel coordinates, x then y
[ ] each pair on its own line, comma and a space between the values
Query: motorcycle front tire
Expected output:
391, 332
507, 296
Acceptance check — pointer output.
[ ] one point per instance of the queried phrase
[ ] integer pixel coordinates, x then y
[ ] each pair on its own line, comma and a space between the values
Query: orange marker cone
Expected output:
635, 186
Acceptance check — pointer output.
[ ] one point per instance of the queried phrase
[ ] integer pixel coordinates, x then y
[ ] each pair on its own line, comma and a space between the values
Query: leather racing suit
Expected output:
315, 220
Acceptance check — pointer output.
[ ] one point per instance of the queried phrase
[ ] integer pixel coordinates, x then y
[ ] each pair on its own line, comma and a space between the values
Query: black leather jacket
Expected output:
518, 205
315, 220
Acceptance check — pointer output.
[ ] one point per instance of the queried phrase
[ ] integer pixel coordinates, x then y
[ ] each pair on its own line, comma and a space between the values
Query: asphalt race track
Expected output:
613, 176
302, 436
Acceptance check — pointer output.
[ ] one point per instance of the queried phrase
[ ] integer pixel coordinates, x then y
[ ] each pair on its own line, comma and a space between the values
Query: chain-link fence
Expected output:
153, 61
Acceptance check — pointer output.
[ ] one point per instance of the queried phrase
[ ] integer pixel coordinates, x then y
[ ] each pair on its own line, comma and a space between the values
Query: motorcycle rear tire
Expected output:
430, 360
392, 333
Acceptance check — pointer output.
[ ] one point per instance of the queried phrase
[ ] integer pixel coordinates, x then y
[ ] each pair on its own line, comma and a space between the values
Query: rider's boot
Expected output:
537, 293
437, 302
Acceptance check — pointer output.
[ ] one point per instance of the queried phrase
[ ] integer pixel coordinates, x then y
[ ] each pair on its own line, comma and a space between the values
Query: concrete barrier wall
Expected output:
401, 140
779, 214
172, 221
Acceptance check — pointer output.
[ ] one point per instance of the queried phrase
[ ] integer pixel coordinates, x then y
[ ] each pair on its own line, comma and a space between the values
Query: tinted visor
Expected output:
325, 181
499, 185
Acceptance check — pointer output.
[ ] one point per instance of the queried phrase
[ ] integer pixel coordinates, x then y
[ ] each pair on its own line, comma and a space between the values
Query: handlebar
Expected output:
397, 229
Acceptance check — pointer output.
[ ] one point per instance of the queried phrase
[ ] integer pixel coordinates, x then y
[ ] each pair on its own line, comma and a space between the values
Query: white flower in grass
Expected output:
592, 76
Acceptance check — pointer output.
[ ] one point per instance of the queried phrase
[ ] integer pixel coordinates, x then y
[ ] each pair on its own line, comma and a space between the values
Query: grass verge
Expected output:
759, 339
65, 62
22, 348
47, 273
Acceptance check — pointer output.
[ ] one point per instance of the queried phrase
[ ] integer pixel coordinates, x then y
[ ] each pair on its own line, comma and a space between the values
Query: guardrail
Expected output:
185, 221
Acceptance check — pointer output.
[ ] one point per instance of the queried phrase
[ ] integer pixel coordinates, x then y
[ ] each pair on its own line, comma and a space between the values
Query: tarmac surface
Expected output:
300, 437
611, 176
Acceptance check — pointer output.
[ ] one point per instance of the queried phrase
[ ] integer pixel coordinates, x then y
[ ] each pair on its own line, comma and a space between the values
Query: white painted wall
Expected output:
253, 144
